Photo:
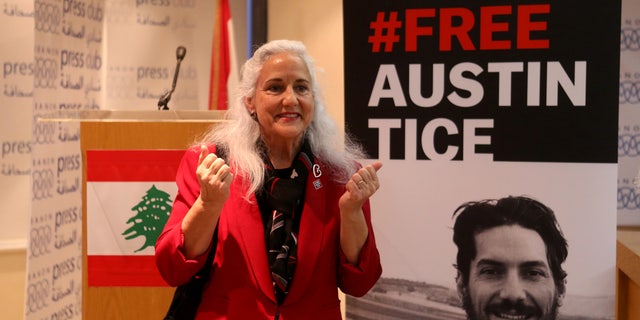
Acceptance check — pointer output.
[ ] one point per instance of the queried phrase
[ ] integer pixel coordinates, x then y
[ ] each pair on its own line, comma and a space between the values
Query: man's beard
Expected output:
467, 305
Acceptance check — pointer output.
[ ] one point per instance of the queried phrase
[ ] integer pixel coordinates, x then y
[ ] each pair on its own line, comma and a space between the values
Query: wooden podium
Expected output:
133, 130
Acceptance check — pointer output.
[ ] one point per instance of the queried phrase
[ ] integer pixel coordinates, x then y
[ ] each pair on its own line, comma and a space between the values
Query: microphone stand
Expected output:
164, 99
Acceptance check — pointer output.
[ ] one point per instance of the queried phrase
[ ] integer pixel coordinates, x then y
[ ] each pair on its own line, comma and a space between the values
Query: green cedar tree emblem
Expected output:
152, 214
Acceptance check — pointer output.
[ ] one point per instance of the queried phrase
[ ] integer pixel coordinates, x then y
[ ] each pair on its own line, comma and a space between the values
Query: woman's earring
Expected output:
253, 115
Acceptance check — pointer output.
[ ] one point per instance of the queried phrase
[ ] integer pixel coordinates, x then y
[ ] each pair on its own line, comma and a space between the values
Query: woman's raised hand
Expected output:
214, 177
362, 185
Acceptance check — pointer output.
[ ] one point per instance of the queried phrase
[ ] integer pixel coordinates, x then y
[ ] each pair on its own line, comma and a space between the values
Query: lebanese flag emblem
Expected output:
129, 199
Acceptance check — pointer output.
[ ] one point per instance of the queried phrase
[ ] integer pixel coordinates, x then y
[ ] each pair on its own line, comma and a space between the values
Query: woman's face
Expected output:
283, 100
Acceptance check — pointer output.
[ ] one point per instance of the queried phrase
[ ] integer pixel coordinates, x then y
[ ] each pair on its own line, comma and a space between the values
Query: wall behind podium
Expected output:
16, 99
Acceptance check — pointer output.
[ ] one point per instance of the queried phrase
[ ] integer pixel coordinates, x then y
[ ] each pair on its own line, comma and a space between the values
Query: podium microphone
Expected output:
164, 99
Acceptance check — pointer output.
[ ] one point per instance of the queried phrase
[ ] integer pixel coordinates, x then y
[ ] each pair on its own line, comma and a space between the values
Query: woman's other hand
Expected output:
214, 177
362, 185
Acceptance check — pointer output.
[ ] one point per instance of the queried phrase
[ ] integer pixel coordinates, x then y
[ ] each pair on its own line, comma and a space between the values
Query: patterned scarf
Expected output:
281, 202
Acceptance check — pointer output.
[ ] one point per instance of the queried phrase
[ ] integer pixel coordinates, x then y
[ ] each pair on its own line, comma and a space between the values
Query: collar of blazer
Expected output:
312, 226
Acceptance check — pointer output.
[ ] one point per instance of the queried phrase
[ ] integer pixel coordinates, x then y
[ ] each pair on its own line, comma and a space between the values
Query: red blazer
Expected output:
240, 286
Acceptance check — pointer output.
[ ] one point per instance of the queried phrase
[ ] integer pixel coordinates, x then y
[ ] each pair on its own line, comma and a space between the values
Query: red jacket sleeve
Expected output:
358, 279
170, 260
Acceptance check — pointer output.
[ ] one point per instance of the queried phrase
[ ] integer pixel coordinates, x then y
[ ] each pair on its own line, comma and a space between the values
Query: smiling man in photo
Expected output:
509, 260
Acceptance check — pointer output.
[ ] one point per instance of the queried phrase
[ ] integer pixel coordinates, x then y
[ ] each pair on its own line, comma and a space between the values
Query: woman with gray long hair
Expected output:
276, 198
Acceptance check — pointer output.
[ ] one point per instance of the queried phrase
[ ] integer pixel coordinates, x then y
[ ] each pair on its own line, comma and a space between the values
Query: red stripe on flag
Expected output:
133, 165
123, 271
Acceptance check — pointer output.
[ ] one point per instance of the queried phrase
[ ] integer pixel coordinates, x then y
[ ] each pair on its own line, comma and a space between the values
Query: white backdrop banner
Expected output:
629, 130
140, 59
65, 78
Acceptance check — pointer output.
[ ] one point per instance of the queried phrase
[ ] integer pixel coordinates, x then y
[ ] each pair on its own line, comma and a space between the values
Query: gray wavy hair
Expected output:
241, 134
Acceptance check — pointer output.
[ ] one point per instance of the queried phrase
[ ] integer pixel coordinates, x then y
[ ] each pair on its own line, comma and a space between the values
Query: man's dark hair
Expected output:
477, 216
